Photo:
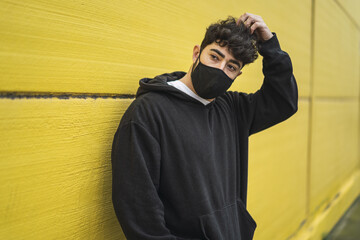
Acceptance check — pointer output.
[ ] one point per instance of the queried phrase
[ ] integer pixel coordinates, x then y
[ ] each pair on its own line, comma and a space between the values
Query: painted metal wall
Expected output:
69, 70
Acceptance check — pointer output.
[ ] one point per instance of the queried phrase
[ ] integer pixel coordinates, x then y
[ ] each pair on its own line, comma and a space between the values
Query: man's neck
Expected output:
187, 81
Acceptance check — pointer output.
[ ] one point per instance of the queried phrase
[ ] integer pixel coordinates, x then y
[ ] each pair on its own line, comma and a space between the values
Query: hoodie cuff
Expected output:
270, 46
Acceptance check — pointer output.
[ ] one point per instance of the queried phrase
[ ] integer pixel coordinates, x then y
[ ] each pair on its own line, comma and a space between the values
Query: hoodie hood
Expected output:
159, 84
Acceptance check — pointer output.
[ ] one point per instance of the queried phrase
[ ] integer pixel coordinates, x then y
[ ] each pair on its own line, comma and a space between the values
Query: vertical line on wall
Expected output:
359, 105
311, 103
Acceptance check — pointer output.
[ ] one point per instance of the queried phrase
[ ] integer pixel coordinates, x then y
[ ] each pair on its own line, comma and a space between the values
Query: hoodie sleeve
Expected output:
277, 99
135, 159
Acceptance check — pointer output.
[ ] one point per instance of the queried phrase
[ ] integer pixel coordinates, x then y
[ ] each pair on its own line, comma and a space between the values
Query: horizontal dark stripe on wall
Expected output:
14, 95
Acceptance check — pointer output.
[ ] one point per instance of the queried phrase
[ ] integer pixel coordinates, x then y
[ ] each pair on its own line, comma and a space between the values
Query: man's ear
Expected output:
196, 52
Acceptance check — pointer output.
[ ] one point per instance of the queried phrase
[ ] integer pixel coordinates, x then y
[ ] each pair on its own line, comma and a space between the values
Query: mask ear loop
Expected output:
198, 58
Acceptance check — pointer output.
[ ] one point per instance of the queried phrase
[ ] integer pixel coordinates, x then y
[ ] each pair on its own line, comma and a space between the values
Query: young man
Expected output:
180, 153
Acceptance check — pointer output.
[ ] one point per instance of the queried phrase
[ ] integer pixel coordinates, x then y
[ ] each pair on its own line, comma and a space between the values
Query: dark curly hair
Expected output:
237, 37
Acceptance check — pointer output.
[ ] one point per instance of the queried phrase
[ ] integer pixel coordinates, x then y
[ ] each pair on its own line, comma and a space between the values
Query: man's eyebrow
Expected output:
222, 55
218, 52
235, 62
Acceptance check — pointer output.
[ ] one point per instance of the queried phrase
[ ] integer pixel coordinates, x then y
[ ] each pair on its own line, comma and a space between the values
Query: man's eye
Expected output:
232, 68
214, 57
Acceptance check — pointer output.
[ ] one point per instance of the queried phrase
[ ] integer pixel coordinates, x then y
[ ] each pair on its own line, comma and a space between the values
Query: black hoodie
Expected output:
180, 167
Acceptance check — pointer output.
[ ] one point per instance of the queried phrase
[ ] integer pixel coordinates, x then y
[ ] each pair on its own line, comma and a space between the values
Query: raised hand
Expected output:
257, 25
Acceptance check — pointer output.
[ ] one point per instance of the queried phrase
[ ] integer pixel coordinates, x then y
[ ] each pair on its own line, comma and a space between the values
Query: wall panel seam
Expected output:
311, 102
64, 95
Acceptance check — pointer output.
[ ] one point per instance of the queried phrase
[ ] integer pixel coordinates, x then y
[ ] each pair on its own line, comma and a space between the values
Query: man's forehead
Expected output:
224, 49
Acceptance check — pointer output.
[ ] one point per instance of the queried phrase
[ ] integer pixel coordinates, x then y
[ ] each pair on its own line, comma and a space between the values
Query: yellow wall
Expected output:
69, 69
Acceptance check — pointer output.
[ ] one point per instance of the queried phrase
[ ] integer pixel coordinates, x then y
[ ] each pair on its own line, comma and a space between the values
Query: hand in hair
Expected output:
257, 25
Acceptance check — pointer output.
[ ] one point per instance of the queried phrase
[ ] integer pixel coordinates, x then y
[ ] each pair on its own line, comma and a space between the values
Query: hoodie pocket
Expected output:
232, 222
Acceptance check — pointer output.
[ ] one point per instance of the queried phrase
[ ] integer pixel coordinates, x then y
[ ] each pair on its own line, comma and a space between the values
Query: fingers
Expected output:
256, 25
249, 19
242, 18
253, 27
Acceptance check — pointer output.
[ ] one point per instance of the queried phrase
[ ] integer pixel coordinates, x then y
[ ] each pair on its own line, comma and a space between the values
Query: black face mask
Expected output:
209, 82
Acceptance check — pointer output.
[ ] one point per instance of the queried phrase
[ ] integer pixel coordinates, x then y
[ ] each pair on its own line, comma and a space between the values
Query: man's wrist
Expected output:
268, 36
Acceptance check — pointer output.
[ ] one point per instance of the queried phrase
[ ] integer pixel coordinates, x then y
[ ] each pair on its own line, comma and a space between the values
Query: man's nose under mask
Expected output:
209, 82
